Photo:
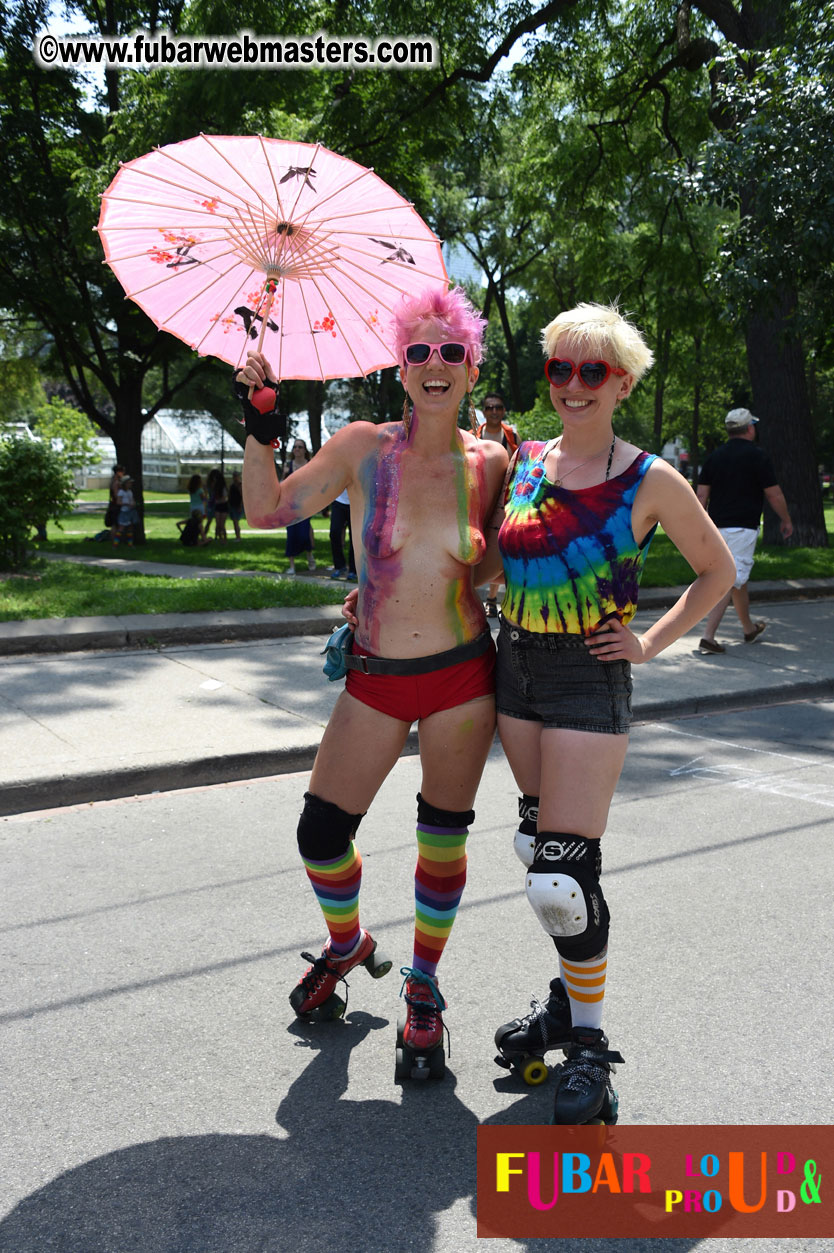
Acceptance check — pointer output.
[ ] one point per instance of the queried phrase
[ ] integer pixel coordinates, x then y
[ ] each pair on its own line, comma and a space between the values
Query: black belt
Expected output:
419, 665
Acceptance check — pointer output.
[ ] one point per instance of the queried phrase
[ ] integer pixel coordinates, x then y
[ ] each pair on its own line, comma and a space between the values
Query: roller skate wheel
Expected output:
533, 1071
328, 1011
402, 1067
437, 1064
400, 1030
377, 965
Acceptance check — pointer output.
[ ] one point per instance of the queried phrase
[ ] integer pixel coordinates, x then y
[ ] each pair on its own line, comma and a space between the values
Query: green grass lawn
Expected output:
58, 590
66, 590
257, 550
665, 567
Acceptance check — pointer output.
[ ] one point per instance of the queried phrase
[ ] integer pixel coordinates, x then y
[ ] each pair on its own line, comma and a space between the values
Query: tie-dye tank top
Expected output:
570, 557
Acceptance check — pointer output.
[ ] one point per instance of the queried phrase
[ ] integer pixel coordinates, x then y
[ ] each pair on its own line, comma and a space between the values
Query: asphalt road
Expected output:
160, 1098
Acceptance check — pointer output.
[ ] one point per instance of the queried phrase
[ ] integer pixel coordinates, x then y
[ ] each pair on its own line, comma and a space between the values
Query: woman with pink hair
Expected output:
420, 492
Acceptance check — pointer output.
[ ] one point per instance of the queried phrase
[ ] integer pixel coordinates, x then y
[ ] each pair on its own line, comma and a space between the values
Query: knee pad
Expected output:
564, 891
429, 816
524, 841
324, 830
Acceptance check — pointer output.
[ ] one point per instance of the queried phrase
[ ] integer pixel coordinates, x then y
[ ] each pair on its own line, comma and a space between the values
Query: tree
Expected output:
35, 488
56, 158
55, 421
767, 66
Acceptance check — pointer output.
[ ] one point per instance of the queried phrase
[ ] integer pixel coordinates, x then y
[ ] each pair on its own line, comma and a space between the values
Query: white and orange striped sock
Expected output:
585, 985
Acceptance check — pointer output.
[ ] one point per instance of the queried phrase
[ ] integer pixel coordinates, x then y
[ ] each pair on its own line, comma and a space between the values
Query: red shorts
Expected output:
410, 697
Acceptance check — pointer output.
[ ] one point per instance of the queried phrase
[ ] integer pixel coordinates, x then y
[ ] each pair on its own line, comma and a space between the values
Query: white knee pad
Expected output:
559, 903
524, 840
524, 846
564, 891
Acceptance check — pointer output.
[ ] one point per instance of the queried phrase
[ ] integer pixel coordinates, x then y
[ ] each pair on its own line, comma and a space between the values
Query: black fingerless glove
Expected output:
260, 414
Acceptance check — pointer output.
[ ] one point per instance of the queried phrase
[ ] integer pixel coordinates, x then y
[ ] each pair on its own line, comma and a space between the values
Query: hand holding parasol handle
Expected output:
260, 402
269, 289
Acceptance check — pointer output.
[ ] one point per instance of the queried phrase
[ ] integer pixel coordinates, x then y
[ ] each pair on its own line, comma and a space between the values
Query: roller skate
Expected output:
420, 1030
584, 1092
314, 996
523, 1042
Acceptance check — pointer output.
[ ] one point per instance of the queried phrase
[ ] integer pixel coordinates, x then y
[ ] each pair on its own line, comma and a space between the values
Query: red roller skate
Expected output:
420, 1053
314, 996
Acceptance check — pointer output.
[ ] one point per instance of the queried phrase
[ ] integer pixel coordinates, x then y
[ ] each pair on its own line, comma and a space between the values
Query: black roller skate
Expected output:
523, 1042
314, 997
420, 1052
584, 1092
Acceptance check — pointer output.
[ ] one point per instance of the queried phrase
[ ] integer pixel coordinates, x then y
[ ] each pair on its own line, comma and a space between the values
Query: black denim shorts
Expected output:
555, 680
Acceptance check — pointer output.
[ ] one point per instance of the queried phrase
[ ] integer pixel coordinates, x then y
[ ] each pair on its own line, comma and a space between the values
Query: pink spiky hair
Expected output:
452, 310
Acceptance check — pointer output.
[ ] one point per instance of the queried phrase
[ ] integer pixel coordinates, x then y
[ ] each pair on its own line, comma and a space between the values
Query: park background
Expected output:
672, 157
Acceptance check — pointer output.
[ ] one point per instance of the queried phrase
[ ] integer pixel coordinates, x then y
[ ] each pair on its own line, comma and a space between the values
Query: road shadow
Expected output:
370, 1175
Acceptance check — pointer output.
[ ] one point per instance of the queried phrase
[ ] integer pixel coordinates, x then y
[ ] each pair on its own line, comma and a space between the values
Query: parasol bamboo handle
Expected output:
270, 293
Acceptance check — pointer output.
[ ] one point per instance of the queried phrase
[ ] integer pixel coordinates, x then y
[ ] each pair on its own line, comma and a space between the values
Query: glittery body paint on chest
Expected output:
422, 528
380, 476
471, 495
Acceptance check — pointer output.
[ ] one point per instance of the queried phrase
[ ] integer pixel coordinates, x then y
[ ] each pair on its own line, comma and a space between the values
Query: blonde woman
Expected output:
573, 531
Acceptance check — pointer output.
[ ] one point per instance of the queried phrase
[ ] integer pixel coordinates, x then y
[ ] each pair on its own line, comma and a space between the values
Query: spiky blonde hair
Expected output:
606, 331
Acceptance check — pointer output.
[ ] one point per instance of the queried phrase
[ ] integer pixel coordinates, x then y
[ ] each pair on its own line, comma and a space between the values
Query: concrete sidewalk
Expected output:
116, 721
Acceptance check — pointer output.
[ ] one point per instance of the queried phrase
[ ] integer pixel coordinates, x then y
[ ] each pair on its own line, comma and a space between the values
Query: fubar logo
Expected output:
572, 1182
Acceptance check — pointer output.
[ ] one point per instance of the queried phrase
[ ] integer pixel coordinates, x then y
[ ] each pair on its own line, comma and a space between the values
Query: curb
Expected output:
52, 793
756, 698
68, 635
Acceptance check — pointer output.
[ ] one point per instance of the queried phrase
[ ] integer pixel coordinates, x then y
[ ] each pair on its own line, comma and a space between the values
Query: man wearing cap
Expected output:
736, 480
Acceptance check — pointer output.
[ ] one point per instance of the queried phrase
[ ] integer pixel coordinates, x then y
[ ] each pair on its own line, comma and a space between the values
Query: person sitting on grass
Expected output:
191, 531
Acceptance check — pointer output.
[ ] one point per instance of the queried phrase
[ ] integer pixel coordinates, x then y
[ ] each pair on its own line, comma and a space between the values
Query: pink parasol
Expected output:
238, 242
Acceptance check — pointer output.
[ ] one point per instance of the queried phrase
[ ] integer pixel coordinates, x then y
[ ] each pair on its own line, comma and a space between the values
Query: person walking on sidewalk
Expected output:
422, 490
300, 538
736, 480
496, 428
236, 502
339, 527
573, 530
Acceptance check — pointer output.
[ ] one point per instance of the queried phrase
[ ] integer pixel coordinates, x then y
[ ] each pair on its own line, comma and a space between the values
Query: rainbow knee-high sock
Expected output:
439, 881
336, 885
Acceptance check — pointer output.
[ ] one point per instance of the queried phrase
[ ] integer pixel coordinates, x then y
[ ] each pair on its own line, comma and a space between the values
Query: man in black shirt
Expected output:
735, 482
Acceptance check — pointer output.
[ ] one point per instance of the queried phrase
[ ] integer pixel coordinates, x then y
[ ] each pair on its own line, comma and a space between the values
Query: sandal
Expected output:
710, 646
750, 636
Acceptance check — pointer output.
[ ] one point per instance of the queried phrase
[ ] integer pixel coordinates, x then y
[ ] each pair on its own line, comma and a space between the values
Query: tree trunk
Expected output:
664, 339
129, 422
512, 355
315, 404
694, 455
776, 362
